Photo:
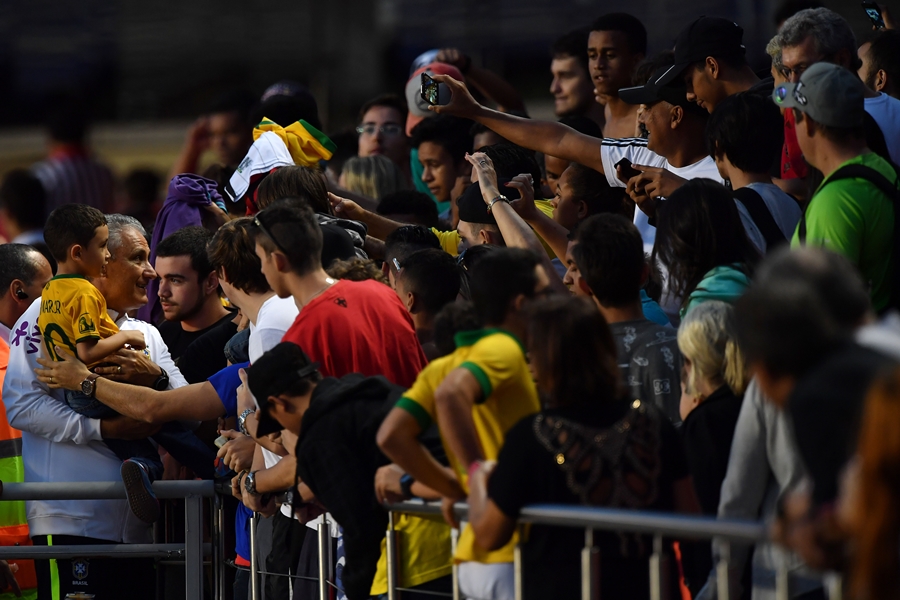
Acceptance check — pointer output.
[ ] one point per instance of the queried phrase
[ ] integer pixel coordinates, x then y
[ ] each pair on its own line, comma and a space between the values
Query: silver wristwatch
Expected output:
250, 483
242, 420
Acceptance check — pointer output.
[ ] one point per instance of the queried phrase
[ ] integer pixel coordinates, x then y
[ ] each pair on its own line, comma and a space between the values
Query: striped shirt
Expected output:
72, 176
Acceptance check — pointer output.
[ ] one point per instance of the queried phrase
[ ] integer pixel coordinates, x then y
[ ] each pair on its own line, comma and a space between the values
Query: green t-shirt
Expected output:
854, 218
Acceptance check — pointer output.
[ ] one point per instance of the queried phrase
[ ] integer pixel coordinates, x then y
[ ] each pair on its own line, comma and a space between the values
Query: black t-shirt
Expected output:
708, 432
177, 339
205, 356
528, 473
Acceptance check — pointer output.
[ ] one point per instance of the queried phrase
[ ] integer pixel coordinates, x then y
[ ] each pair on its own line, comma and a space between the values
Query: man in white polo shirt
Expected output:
61, 445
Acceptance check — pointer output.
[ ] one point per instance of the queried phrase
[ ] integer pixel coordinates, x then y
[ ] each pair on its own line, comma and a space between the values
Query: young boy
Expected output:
73, 316
742, 135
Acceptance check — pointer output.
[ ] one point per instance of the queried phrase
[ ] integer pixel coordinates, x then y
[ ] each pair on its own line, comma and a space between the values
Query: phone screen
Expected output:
430, 90
874, 14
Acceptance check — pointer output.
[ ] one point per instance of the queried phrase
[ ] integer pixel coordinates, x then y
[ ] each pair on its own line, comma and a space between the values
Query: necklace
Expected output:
328, 283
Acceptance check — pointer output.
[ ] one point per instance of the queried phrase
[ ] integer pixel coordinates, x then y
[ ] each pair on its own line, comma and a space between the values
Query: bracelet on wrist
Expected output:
500, 198
474, 466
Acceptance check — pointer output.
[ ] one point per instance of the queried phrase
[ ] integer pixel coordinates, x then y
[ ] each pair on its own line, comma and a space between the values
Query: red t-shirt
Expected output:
359, 327
793, 166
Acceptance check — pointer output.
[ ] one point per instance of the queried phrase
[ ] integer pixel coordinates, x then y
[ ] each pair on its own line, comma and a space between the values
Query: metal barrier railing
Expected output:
192, 551
657, 524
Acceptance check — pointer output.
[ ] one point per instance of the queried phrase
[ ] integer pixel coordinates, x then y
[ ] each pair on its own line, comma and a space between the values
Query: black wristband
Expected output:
406, 482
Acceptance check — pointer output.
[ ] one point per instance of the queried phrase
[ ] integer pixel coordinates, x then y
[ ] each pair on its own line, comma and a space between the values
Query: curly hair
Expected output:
356, 269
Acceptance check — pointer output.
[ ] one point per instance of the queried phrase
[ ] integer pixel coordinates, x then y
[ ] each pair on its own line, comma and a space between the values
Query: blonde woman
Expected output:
715, 377
372, 176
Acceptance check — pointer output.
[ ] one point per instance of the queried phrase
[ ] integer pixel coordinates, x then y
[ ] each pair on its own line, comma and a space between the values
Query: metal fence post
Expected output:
391, 552
517, 565
834, 585
193, 546
659, 589
254, 557
722, 579
324, 558
220, 547
590, 567
782, 582
454, 540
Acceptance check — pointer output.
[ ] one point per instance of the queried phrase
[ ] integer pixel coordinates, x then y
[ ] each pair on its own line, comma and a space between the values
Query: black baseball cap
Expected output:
654, 90
707, 36
274, 373
472, 208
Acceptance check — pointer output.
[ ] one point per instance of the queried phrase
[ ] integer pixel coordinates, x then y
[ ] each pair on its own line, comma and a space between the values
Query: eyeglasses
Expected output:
781, 93
265, 230
389, 130
397, 264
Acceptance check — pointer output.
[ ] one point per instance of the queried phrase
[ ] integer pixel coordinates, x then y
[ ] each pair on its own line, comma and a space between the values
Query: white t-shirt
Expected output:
275, 317
784, 209
886, 112
635, 149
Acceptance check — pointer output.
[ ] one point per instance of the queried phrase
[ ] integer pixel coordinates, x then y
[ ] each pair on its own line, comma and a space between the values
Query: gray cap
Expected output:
829, 94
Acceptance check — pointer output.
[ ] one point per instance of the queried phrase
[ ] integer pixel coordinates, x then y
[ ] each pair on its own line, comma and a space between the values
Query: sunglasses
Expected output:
266, 231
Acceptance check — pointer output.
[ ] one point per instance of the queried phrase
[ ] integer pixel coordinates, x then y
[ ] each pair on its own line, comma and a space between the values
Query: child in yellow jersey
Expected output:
73, 317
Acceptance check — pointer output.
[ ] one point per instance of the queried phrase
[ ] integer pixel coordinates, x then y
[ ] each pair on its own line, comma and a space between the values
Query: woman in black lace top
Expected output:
591, 445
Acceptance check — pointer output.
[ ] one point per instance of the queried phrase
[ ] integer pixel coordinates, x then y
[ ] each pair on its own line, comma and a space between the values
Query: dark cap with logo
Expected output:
654, 90
707, 36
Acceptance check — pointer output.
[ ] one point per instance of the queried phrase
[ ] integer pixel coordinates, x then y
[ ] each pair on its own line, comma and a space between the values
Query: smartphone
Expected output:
627, 171
431, 90
874, 14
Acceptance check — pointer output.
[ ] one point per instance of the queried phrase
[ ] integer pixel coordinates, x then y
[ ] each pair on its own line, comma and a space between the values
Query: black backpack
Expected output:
762, 217
888, 189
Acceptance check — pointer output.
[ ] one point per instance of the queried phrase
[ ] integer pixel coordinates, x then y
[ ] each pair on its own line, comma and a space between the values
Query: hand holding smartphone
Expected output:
874, 14
625, 171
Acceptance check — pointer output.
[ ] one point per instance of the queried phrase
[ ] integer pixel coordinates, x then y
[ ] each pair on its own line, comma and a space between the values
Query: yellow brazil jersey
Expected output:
423, 548
450, 239
497, 360
72, 311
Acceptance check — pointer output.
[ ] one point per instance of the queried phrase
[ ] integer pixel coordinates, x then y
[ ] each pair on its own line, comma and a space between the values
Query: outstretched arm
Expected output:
193, 402
548, 137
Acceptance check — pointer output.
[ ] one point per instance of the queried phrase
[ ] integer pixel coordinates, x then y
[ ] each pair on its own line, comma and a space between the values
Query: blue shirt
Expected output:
226, 383
652, 311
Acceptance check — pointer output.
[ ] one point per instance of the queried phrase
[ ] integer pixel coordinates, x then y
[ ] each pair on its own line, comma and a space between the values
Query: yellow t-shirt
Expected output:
450, 239
497, 360
423, 548
72, 311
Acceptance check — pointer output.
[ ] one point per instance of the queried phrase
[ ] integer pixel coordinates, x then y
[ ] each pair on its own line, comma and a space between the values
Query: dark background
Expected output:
167, 60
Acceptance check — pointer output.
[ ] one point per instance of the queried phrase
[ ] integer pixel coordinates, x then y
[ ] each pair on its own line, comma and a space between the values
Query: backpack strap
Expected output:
888, 189
761, 216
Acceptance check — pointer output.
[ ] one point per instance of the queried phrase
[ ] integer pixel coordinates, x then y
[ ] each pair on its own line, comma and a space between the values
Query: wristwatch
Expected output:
242, 420
89, 385
406, 482
162, 382
250, 483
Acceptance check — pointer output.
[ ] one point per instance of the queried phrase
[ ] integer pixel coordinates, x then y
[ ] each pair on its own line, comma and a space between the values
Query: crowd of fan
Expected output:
679, 297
